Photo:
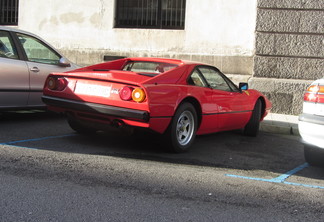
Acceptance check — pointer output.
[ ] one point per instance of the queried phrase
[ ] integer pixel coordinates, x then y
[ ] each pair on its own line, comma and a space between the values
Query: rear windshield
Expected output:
153, 68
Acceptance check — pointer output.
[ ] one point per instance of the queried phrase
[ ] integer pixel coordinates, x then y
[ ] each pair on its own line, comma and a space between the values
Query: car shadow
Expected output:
274, 153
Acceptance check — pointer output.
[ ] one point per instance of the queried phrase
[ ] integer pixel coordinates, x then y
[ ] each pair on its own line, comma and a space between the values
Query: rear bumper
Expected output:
311, 129
94, 108
310, 118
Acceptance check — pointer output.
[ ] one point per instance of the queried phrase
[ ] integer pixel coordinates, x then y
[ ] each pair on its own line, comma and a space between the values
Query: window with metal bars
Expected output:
9, 12
150, 14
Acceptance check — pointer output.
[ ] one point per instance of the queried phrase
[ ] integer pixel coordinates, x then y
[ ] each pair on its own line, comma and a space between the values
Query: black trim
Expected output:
97, 108
209, 114
111, 58
311, 118
20, 90
160, 117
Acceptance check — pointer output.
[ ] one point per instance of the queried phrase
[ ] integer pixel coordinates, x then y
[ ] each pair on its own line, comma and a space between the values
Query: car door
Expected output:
41, 61
14, 75
232, 104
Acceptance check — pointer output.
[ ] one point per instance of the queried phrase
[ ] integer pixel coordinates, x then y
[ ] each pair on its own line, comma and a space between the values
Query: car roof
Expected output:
11, 29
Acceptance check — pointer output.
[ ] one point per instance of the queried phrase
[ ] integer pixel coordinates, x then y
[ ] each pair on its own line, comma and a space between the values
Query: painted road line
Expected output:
37, 139
281, 178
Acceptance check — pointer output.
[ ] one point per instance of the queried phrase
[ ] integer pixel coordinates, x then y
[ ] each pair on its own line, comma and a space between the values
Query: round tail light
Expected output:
138, 95
51, 83
58, 84
126, 93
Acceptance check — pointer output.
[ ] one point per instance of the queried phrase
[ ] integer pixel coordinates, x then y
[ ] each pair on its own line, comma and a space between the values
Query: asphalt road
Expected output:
49, 173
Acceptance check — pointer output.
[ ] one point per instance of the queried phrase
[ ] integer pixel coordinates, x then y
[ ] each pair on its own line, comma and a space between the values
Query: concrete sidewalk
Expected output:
280, 123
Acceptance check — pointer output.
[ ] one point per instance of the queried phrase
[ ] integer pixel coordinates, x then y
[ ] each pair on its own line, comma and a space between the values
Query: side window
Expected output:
37, 51
7, 48
196, 79
215, 79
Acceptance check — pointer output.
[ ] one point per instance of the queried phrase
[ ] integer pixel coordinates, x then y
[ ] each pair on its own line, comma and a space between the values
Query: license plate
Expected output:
92, 90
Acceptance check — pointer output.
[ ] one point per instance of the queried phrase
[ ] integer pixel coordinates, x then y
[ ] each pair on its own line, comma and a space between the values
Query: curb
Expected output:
269, 127
280, 124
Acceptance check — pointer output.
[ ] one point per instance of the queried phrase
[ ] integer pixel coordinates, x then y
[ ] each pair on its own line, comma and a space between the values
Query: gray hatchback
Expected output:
25, 62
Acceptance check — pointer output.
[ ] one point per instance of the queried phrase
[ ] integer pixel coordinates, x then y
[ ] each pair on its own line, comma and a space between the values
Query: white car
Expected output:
311, 123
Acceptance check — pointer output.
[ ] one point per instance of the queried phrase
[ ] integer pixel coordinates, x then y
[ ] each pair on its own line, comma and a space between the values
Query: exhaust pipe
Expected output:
117, 123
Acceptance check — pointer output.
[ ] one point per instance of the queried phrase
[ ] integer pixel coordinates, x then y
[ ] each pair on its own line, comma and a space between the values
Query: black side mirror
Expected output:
243, 86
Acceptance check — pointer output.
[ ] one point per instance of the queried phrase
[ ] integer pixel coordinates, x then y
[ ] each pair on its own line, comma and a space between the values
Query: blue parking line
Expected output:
281, 178
37, 139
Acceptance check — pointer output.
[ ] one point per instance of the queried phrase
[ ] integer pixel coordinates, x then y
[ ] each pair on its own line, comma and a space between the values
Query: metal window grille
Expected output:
9, 12
150, 14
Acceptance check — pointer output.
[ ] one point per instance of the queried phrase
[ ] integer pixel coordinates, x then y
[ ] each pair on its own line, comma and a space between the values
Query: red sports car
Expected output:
176, 98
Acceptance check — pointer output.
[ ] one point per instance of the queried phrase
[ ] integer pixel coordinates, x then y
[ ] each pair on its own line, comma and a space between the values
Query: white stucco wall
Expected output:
213, 27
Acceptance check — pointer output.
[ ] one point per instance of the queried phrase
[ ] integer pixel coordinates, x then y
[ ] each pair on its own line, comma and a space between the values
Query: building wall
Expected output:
218, 32
289, 50
279, 43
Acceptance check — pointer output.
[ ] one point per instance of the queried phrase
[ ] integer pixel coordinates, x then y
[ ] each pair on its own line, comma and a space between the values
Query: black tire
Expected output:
182, 130
253, 126
314, 155
79, 127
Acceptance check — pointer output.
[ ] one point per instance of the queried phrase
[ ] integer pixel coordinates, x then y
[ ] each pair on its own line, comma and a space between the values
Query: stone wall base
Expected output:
286, 95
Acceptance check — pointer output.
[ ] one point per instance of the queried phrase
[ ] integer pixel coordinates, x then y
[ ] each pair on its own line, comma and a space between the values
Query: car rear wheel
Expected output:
314, 155
78, 127
182, 131
252, 127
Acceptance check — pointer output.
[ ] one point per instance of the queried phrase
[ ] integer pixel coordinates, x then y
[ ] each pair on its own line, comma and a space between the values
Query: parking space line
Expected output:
37, 139
281, 178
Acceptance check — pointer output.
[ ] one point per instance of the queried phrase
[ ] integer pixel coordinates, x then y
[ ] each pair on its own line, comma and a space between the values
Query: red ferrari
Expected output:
179, 99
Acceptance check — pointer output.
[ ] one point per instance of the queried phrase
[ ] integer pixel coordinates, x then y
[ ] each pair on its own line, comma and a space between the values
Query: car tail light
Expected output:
129, 93
138, 95
126, 93
54, 83
315, 94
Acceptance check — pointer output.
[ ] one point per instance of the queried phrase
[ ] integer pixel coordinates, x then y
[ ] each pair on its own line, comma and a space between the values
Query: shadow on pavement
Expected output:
269, 152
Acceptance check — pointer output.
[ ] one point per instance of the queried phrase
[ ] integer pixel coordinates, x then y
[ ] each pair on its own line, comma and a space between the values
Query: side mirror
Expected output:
64, 62
243, 86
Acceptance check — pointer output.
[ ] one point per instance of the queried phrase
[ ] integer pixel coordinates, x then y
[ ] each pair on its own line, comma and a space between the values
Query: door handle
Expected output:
34, 69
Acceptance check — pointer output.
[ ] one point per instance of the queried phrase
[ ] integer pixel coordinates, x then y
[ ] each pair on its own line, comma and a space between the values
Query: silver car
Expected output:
311, 123
25, 62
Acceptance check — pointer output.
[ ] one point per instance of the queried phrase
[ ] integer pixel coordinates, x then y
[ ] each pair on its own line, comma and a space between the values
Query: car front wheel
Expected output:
182, 130
252, 127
